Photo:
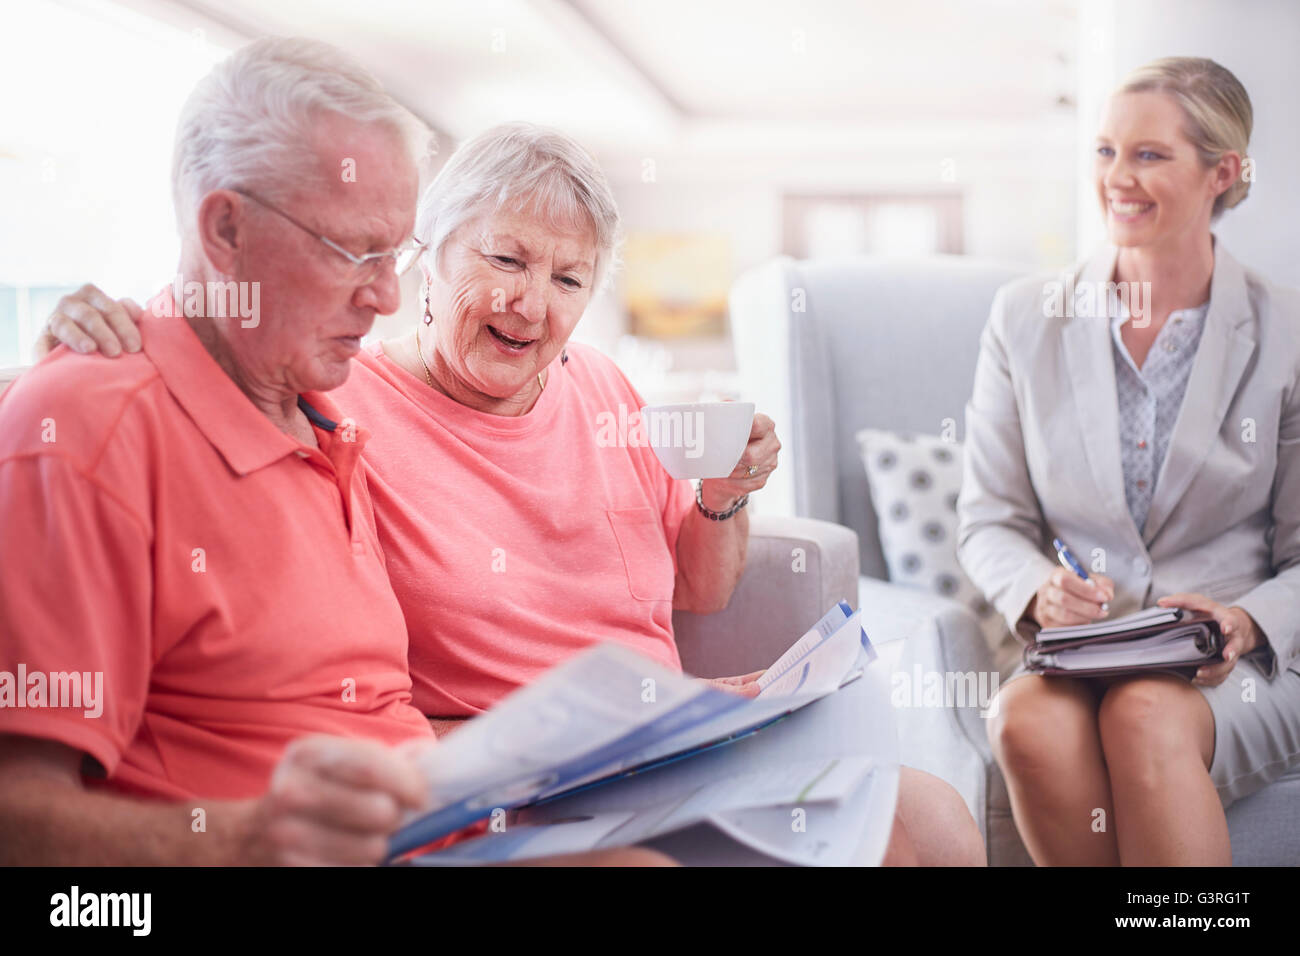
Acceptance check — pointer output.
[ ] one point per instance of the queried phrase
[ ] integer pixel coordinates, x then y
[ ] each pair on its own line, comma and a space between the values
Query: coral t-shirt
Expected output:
515, 542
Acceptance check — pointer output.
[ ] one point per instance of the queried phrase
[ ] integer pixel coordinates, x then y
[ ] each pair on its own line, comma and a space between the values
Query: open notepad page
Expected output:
1130, 622
1176, 646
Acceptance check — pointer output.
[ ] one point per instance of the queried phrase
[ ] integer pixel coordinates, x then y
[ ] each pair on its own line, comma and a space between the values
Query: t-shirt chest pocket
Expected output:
649, 566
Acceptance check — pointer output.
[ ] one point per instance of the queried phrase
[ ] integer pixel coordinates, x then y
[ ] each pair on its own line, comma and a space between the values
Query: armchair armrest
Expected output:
944, 653
795, 569
894, 612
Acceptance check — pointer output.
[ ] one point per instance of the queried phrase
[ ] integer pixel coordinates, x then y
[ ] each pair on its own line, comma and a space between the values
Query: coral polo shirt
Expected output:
222, 582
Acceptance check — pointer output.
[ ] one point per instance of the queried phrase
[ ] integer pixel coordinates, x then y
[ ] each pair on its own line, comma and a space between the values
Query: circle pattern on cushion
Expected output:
915, 480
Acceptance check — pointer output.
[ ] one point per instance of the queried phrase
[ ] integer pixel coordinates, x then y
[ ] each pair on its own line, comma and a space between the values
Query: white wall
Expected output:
1016, 180
92, 93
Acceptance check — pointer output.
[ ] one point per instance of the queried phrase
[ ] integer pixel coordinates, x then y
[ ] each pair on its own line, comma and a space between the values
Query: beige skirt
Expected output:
1256, 728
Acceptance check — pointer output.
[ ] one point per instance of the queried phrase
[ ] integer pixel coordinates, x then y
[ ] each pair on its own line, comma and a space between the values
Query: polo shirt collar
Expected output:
243, 436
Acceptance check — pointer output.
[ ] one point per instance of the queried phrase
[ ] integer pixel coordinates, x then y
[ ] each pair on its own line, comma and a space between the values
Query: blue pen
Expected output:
1071, 563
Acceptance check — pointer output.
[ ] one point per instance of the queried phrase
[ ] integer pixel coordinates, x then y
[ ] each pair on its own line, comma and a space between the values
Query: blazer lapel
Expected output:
1227, 343
1087, 343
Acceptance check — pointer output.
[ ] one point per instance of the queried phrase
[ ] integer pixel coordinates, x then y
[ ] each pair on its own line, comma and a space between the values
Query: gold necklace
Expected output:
541, 386
420, 352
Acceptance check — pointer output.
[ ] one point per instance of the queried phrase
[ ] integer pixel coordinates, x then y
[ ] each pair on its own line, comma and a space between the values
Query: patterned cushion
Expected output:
914, 480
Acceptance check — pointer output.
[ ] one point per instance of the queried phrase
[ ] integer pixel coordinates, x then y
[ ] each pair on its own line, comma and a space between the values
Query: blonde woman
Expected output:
1162, 438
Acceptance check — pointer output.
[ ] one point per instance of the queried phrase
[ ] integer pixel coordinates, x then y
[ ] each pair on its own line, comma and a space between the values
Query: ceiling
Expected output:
831, 60
663, 73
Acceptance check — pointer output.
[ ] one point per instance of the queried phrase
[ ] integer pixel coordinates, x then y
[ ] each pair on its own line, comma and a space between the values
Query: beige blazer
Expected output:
1042, 457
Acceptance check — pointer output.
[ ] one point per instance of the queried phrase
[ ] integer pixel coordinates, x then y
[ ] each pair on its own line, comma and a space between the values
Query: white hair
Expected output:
523, 166
246, 123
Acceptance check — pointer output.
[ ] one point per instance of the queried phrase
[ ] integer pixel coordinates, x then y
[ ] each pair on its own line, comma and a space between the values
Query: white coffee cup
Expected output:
698, 439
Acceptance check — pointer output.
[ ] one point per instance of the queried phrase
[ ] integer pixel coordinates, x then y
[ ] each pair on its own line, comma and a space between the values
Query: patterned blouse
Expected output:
1149, 400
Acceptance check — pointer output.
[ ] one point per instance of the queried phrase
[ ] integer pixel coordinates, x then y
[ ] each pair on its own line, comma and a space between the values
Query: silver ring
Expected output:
753, 470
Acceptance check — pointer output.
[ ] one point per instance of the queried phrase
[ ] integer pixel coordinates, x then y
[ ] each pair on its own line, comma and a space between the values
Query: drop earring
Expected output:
564, 356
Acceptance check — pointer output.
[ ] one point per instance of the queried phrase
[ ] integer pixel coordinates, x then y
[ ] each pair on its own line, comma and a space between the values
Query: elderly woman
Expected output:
1162, 443
514, 537
201, 571
523, 539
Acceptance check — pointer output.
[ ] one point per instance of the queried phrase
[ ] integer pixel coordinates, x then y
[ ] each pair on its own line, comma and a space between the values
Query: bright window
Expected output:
92, 95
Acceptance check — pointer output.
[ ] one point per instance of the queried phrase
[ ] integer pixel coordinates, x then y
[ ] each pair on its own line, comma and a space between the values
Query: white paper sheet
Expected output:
1129, 622
818, 662
584, 721
592, 701
829, 652
856, 722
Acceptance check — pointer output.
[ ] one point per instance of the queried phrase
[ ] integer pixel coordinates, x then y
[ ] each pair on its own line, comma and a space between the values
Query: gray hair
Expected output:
524, 166
245, 123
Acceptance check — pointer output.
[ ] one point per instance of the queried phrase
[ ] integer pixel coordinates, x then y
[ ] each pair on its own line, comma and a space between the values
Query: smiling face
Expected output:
315, 305
510, 288
1151, 183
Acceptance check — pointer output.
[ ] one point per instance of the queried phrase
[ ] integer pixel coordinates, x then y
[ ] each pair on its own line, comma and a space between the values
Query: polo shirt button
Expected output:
1171, 347
1141, 484
1142, 443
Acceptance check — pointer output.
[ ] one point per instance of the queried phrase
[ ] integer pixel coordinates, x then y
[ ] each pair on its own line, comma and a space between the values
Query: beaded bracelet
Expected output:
716, 515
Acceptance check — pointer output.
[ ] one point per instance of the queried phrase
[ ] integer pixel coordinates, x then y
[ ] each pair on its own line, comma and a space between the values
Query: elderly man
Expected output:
188, 532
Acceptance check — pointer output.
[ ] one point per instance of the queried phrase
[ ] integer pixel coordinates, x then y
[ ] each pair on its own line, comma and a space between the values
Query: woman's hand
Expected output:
1238, 627
711, 554
719, 494
746, 685
88, 320
1065, 599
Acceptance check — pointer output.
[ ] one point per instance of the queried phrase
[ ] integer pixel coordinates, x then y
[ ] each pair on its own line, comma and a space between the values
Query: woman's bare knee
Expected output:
1145, 721
900, 851
937, 822
1033, 716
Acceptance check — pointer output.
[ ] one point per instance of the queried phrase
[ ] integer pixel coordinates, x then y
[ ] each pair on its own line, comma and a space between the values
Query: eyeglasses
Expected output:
366, 268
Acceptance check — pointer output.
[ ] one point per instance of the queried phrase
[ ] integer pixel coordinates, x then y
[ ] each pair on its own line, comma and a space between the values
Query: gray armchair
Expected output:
832, 347
807, 565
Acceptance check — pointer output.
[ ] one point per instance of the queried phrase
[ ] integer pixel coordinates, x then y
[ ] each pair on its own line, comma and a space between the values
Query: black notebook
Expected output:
1154, 639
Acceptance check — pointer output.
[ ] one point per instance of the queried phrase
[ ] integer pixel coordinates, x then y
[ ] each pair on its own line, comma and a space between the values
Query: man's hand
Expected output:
1242, 634
1065, 599
88, 320
334, 801
746, 685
